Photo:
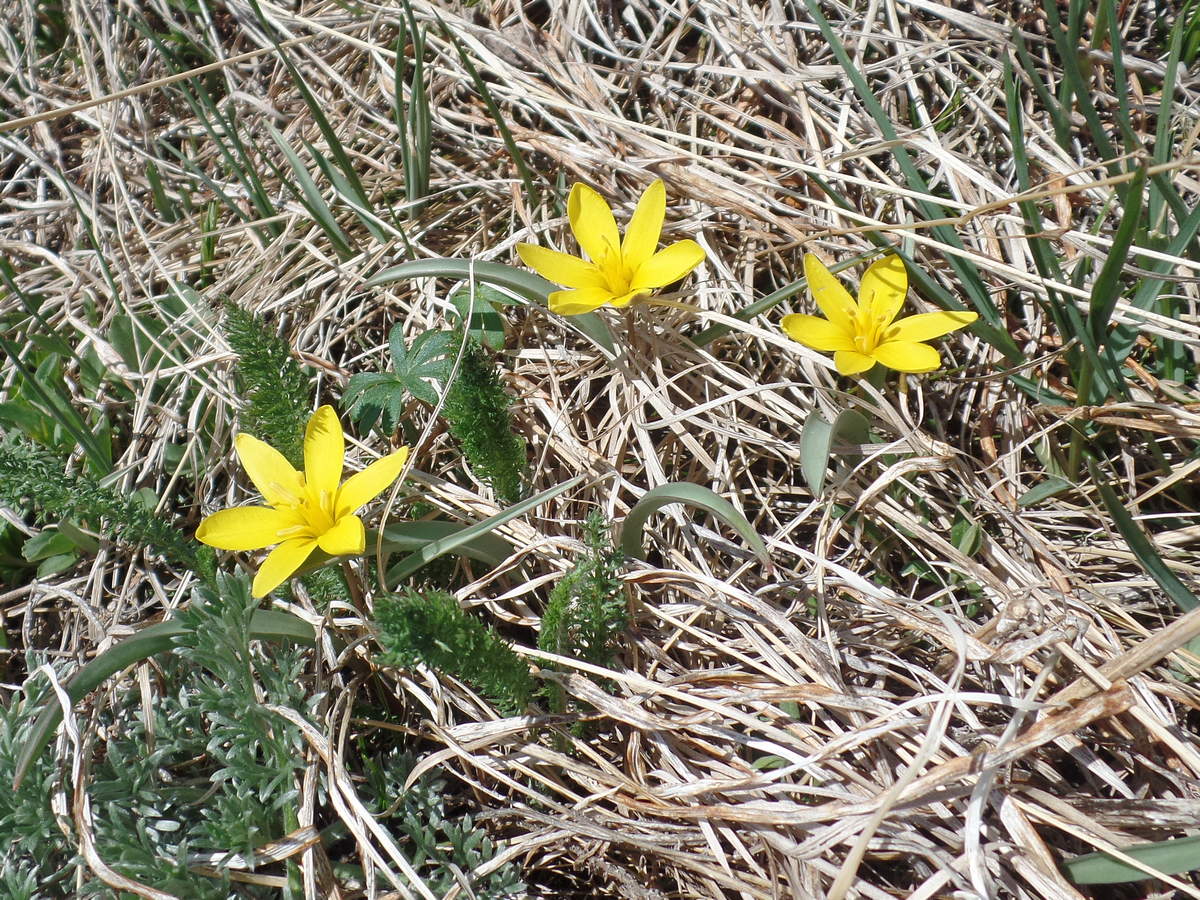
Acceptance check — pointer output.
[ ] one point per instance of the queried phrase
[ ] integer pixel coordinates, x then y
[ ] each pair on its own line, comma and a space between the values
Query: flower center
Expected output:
317, 509
868, 334
617, 275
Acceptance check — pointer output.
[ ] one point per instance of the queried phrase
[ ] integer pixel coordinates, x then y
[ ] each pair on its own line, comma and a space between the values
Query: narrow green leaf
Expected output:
1141, 546
493, 110
318, 113
266, 625
345, 190
489, 549
817, 440
55, 402
436, 548
526, 285
1171, 857
758, 307
1044, 491
1106, 289
693, 495
1066, 40
310, 195
1146, 294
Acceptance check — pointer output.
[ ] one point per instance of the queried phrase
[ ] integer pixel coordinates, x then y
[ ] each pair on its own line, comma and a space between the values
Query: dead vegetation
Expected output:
890, 709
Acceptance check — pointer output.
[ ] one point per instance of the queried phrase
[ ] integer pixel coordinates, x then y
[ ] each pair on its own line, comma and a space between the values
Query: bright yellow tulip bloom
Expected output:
863, 333
308, 509
619, 271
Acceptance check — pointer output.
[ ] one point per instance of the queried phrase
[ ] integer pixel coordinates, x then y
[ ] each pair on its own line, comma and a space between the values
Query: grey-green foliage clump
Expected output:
33, 852
275, 387
587, 611
477, 410
433, 629
234, 764
441, 847
33, 477
220, 776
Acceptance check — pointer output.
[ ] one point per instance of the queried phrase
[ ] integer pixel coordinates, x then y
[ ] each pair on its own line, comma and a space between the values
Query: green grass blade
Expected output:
692, 495
1146, 294
310, 196
1143, 550
1172, 857
1044, 256
318, 113
434, 549
57, 404
1066, 41
345, 190
266, 625
968, 276
1107, 290
415, 123
526, 285
494, 111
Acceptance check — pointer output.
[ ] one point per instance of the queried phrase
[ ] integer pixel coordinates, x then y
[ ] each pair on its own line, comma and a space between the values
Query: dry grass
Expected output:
841, 725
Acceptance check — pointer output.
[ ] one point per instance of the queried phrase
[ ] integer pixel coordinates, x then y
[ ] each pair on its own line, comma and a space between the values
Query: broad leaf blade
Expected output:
691, 495
817, 440
1171, 857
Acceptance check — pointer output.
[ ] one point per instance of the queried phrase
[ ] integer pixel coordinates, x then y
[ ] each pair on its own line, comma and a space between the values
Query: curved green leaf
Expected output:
433, 549
526, 285
489, 549
818, 437
693, 495
266, 625
1168, 857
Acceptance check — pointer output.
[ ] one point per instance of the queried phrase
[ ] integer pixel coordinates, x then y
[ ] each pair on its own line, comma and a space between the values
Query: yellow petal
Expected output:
276, 480
833, 299
851, 362
247, 527
927, 326
592, 223
561, 268
626, 298
908, 356
667, 265
281, 563
641, 237
363, 487
884, 286
572, 303
324, 451
346, 536
817, 333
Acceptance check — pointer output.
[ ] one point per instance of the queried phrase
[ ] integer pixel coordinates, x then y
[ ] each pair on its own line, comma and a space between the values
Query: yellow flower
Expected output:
864, 333
307, 509
620, 270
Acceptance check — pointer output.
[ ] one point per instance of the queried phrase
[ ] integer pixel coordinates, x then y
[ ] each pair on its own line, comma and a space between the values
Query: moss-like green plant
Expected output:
34, 477
433, 629
587, 607
477, 409
275, 387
